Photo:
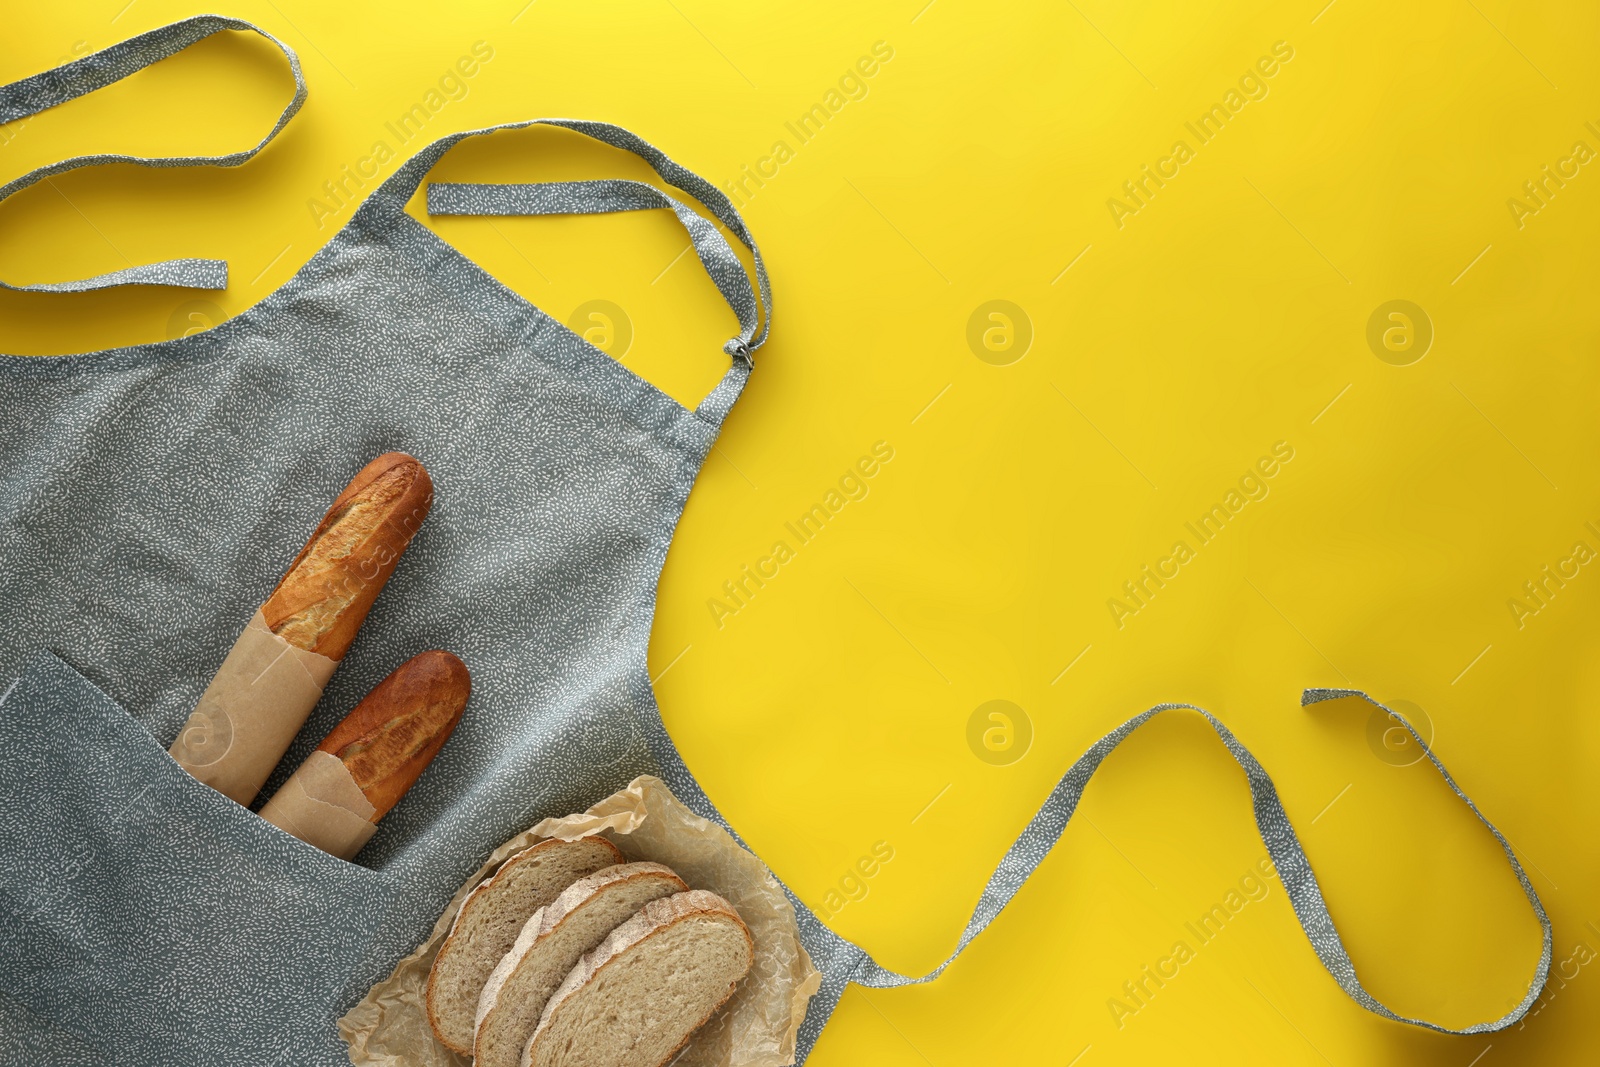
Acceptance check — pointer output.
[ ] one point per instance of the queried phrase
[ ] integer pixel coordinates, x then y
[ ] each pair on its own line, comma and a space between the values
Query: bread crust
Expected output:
578, 893
389, 738
327, 591
653, 919
546, 919
467, 905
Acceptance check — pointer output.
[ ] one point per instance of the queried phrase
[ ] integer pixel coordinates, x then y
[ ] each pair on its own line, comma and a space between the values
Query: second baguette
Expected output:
397, 729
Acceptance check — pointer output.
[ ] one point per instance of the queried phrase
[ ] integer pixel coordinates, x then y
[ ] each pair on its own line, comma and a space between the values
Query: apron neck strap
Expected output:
752, 308
27, 97
606, 196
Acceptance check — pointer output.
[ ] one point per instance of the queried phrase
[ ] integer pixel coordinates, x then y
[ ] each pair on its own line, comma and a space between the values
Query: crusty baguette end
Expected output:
388, 740
331, 585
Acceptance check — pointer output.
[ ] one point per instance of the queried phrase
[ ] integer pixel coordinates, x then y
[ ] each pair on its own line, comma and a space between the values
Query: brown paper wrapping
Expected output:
322, 805
251, 711
756, 1028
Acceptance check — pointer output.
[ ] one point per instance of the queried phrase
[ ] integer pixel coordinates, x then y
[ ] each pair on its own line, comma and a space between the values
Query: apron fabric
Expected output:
150, 498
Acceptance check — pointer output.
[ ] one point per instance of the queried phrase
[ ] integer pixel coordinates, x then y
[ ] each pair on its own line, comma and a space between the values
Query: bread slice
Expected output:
638, 998
550, 945
488, 923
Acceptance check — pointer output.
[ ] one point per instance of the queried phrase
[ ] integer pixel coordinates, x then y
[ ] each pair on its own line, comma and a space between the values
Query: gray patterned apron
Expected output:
146, 493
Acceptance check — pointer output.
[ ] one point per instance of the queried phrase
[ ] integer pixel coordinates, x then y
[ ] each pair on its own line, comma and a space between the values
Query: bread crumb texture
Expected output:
638, 998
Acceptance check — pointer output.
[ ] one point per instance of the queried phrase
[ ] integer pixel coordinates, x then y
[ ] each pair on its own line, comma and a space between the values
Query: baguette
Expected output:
638, 998
331, 585
392, 735
336, 797
274, 674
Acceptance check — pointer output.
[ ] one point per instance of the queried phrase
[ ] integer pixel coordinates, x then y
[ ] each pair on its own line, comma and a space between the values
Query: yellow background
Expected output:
830, 712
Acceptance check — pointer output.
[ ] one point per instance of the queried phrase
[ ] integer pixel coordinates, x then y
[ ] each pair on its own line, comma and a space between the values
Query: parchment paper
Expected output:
756, 1028
249, 714
322, 805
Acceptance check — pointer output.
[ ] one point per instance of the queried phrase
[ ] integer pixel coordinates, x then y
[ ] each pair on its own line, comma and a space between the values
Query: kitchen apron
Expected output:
152, 495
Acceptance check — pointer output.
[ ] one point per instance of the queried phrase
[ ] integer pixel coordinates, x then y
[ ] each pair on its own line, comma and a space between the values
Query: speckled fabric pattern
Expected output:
842, 962
151, 911
1283, 848
49, 88
150, 498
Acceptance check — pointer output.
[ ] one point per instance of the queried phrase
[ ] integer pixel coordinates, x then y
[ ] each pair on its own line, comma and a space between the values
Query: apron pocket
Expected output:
151, 916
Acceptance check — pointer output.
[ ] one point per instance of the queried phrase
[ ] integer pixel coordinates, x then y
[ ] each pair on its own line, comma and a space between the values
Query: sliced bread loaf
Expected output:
638, 998
550, 945
488, 923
